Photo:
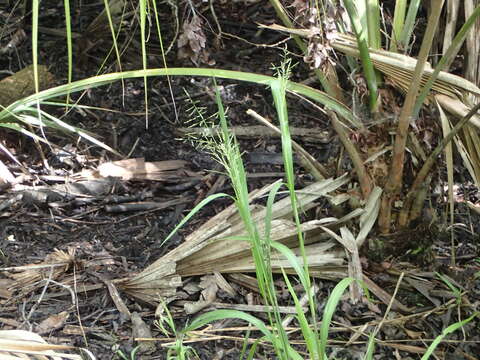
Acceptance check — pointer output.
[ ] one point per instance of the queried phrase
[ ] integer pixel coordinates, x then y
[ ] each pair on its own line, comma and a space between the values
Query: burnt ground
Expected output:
116, 245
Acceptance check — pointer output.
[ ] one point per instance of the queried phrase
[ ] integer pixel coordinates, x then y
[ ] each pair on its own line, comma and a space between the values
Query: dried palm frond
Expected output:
219, 246
452, 93
53, 267
472, 66
400, 69
21, 344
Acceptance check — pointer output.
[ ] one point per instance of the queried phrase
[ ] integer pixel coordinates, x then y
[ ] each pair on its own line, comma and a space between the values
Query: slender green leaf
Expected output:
113, 32
370, 347
373, 21
368, 69
68, 28
409, 23
268, 216
235, 314
105, 79
310, 336
197, 208
398, 21
330, 307
452, 328
143, 15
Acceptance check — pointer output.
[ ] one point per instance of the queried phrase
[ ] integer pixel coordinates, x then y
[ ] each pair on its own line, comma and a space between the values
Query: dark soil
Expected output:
119, 245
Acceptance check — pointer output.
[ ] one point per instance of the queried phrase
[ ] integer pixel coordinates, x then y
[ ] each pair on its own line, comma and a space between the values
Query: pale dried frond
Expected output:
53, 267
452, 93
217, 246
139, 169
21, 344
400, 69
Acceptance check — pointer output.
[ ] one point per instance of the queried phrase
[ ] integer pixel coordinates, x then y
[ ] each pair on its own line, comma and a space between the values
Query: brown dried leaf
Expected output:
139, 169
52, 323
192, 41
414, 334
142, 331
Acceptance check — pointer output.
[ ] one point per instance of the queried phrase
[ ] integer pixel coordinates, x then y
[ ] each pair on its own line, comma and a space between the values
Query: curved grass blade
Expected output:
332, 303
311, 93
193, 212
398, 21
143, 15
409, 24
235, 314
445, 332
268, 215
373, 24
68, 28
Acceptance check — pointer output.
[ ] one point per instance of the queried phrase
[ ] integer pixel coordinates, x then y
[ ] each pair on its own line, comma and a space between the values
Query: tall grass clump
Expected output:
226, 151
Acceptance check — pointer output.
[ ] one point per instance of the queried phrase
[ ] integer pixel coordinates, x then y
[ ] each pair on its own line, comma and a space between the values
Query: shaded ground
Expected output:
120, 244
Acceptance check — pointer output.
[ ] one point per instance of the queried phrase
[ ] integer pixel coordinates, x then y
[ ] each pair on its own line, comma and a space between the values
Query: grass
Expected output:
227, 152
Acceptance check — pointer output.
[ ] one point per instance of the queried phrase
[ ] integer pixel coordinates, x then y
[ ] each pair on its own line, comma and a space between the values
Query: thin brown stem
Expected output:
427, 166
394, 181
363, 178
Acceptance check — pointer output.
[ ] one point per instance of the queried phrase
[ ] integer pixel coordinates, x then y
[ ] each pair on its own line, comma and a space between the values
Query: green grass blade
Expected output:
362, 41
35, 8
332, 302
245, 344
235, 314
453, 288
373, 24
192, 212
59, 124
113, 32
261, 249
398, 21
292, 259
370, 347
278, 88
310, 336
311, 93
253, 350
409, 23
164, 59
68, 26
16, 127
452, 328
268, 215
279, 95
143, 15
